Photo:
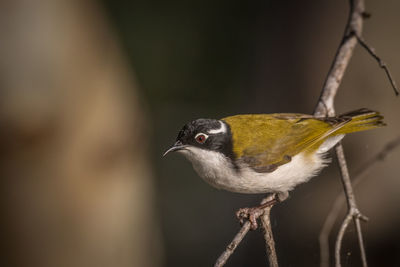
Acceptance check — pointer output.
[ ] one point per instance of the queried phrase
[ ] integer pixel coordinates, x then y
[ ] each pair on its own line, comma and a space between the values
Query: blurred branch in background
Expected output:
76, 185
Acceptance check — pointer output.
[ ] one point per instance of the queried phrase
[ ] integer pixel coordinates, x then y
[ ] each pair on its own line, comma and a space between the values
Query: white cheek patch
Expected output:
221, 129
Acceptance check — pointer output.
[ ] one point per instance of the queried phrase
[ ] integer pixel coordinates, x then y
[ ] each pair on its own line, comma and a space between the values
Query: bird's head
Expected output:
203, 135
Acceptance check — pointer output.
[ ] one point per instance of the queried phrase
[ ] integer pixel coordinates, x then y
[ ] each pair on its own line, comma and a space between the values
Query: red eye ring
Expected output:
201, 138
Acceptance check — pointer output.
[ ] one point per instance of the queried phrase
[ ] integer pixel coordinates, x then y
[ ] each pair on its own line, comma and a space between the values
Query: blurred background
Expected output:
93, 92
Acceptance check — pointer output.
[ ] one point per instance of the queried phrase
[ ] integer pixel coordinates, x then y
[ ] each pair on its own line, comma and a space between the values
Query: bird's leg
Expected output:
253, 213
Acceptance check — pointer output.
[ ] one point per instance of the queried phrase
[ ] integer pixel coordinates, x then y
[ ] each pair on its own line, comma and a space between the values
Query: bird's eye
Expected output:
201, 138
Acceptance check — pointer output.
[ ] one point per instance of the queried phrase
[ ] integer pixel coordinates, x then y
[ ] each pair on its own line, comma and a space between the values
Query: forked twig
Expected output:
269, 239
325, 107
353, 211
359, 176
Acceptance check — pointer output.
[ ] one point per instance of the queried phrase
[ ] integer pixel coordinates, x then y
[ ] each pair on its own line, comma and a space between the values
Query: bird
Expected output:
266, 153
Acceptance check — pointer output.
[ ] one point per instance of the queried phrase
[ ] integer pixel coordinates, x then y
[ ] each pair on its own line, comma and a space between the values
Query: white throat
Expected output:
214, 167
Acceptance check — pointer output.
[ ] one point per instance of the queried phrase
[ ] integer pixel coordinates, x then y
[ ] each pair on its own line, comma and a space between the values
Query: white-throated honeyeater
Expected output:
266, 152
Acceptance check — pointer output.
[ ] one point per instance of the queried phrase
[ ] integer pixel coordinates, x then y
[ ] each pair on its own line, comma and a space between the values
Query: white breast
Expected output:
216, 169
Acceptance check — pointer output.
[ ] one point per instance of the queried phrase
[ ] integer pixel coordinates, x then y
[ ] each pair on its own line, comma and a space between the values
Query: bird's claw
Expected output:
251, 215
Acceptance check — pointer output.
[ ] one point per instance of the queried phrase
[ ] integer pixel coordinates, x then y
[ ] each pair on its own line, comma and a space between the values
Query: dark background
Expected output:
190, 59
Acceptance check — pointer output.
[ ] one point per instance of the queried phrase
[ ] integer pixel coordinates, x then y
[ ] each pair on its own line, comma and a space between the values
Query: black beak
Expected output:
177, 146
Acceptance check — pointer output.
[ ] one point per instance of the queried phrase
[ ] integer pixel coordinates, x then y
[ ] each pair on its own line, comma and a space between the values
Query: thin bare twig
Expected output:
268, 236
233, 245
359, 176
356, 218
381, 63
339, 238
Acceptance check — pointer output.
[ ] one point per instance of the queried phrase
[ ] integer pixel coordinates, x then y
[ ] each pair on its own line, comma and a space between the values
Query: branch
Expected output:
382, 64
359, 176
339, 238
233, 245
325, 107
353, 211
342, 58
269, 239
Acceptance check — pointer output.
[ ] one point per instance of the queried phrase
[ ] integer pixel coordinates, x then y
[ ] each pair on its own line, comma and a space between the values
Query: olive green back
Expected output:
266, 141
